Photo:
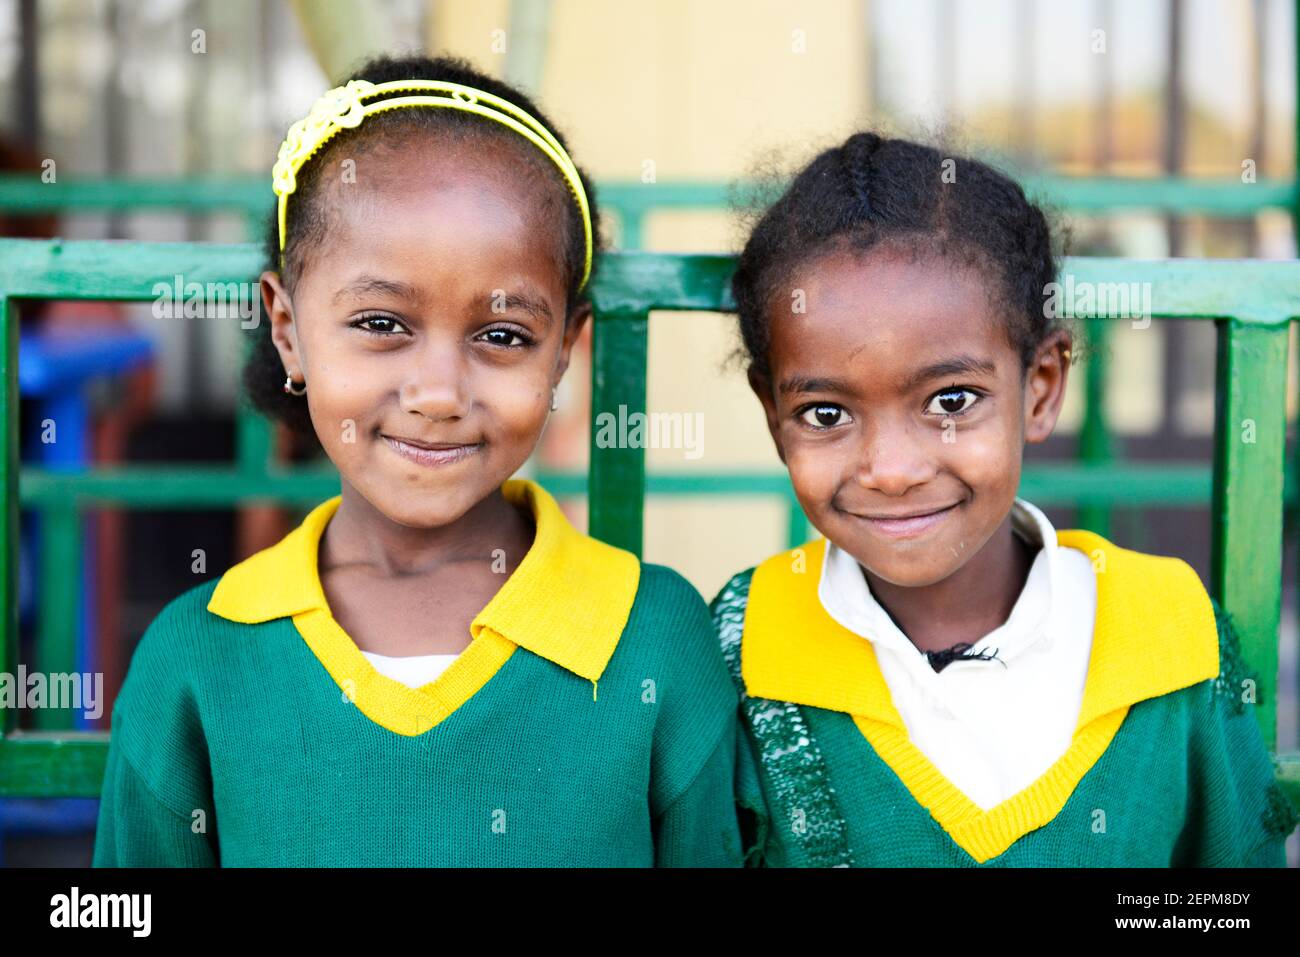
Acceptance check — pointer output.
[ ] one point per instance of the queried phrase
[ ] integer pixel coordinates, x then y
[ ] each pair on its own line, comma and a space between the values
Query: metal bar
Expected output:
167, 487
1215, 197
65, 764
56, 633
1096, 446
119, 271
161, 488
1264, 291
9, 528
1246, 513
253, 441
632, 233
618, 399
26, 193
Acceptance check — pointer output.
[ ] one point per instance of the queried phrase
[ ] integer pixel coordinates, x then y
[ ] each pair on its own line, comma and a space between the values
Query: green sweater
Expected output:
1185, 780
233, 745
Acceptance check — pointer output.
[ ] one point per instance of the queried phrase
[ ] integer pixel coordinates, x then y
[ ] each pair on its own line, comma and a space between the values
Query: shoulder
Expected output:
176, 646
180, 622
156, 709
1233, 688
1135, 577
1225, 697
670, 638
734, 596
660, 584
731, 598
669, 613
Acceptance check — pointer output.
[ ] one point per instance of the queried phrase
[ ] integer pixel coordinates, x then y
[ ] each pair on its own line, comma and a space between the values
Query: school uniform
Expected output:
1105, 723
590, 722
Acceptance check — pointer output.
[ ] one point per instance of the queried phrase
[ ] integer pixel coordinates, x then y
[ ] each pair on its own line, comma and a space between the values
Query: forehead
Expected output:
431, 205
879, 314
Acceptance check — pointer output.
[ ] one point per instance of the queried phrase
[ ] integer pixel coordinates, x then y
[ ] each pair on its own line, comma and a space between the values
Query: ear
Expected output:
762, 387
572, 330
284, 331
1045, 381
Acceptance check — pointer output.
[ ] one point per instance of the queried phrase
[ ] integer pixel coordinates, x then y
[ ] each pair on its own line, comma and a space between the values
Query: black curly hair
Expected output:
873, 190
308, 212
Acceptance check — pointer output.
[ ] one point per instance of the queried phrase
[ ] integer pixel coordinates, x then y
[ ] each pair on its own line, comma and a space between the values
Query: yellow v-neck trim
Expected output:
568, 601
1154, 633
388, 702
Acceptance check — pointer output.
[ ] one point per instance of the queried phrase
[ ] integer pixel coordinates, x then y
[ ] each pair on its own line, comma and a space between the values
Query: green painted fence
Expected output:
633, 203
1251, 303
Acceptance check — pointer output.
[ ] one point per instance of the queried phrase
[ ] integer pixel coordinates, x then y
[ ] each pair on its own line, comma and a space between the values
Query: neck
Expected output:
969, 603
360, 534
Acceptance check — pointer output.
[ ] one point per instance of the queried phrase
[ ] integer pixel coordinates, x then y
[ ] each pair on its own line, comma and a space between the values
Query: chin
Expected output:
418, 508
905, 577
895, 567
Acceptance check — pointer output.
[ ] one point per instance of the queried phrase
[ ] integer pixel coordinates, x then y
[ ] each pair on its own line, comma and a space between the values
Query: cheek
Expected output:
517, 399
987, 455
341, 406
816, 469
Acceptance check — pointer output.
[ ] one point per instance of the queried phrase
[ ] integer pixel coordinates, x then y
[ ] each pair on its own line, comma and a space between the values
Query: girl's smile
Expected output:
432, 454
908, 524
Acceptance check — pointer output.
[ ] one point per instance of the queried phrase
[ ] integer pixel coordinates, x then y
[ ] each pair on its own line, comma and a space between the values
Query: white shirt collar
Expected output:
847, 597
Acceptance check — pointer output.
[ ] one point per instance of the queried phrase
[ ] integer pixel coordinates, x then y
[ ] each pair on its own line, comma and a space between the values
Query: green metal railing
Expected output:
633, 203
1251, 303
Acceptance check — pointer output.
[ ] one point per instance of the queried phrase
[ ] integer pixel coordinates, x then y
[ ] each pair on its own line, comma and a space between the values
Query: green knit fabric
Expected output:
1186, 781
232, 745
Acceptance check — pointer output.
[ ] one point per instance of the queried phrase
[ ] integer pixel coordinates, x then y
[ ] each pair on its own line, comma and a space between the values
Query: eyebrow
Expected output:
796, 384
535, 307
956, 365
371, 285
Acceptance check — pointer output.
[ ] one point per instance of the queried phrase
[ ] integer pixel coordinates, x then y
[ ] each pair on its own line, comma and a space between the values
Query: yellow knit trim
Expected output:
386, 701
1154, 633
568, 601
986, 834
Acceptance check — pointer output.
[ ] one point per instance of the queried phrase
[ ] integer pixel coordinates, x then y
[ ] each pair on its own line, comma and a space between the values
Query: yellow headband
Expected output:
343, 108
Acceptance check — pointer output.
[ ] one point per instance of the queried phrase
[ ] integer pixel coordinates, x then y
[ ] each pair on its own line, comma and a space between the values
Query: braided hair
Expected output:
872, 191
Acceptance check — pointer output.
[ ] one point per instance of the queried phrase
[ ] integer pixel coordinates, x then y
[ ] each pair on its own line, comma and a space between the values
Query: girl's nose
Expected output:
436, 384
895, 460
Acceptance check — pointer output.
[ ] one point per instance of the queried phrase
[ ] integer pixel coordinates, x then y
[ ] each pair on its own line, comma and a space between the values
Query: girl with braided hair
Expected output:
945, 679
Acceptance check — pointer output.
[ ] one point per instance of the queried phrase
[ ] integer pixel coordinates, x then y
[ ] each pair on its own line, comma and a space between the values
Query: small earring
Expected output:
288, 386
554, 405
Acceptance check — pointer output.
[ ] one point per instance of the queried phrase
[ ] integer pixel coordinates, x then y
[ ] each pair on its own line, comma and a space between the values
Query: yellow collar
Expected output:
1154, 633
568, 601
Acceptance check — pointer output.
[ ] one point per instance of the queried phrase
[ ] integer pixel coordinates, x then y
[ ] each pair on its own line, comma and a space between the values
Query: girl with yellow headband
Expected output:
435, 667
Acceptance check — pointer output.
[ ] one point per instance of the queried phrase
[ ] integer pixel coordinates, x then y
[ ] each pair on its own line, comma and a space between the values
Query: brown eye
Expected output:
952, 402
378, 325
506, 337
824, 416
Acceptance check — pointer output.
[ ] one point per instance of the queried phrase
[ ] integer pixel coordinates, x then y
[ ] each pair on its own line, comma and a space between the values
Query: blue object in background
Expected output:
54, 370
